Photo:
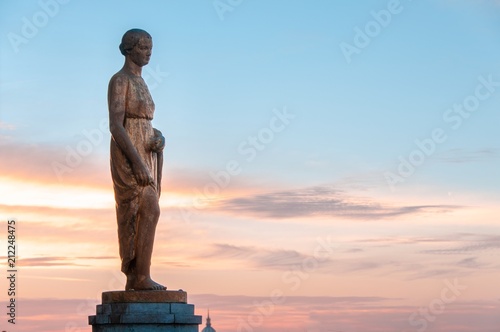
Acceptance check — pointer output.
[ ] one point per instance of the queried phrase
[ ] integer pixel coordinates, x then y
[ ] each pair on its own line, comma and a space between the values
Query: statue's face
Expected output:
141, 53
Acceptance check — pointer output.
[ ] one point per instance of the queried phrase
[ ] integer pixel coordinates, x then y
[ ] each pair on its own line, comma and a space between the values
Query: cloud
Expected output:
354, 250
466, 243
58, 261
321, 202
430, 271
54, 315
470, 262
402, 256
286, 313
292, 314
426, 263
384, 240
47, 261
338, 314
39, 163
58, 225
231, 301
58, 211
6, 126
45, 163
332, 260
459, 156
262, 258
173, 264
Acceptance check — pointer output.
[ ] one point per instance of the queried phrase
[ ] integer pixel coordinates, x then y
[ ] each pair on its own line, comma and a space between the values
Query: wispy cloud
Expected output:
6, 126
336, 262
38, 163
458, 156
324, 202
470, 262
376, 256
35, 163
52, 212
336, 314
294, 314
258, 257
466, 243
58, 261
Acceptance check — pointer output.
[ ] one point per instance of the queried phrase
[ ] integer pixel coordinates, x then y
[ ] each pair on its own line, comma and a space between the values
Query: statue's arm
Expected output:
117, 92
157, 145
159, 164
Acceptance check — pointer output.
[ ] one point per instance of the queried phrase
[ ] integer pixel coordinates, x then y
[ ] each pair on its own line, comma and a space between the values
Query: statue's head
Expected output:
136, 46
132, 38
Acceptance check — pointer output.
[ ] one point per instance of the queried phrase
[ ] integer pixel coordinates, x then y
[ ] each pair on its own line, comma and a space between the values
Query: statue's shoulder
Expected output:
121, 78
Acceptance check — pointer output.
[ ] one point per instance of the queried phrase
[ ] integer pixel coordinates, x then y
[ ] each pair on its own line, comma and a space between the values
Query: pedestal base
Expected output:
144, 311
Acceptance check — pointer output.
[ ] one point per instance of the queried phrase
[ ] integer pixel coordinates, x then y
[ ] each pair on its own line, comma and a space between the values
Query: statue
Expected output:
136, 161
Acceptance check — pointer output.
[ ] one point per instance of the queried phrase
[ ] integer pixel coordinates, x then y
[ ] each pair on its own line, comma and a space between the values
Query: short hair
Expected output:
131, 38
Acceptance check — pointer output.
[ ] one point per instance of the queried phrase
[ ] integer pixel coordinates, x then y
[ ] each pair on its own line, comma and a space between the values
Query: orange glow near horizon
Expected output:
68, 238
19, 193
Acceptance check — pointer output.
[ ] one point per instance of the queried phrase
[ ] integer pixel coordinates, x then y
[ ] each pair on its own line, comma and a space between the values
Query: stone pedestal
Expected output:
144, 311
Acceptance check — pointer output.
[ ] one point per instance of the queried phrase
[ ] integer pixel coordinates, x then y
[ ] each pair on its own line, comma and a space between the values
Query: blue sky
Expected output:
230, 74
218, 82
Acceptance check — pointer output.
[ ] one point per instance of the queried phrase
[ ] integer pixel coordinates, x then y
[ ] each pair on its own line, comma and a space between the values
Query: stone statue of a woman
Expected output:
136, 161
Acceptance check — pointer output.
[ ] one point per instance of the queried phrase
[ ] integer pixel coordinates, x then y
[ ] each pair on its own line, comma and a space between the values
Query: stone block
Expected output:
187, 319
181, 308
103, 309
144, 297
144, 311
99, 319
124, 308
144, 318
145, 328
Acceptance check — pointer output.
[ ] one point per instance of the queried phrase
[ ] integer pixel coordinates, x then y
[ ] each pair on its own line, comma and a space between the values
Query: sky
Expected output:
329, 165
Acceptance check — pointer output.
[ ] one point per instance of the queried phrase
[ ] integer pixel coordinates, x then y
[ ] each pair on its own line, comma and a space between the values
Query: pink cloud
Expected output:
292, 314
322, 202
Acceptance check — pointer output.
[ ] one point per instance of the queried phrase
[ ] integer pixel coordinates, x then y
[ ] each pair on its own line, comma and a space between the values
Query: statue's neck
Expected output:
132, 68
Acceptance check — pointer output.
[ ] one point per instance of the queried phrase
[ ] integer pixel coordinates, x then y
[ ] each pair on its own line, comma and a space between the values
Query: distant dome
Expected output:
209, 327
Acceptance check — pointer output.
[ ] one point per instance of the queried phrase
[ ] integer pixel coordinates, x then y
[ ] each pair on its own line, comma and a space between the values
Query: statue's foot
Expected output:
145, 284
130, 282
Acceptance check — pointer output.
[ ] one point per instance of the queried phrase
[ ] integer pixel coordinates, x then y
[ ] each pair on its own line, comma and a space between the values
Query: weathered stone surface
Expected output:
145, 328
151, 311
181, 308
125, 308
144, 297
144, 318
99, 319
136, 165
187, 319
103, 309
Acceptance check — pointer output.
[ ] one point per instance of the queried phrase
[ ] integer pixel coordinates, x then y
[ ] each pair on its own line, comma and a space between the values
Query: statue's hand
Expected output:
157, 142
142, 175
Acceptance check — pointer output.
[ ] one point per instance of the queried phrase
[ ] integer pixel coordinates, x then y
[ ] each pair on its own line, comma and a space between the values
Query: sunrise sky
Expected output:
330, 165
